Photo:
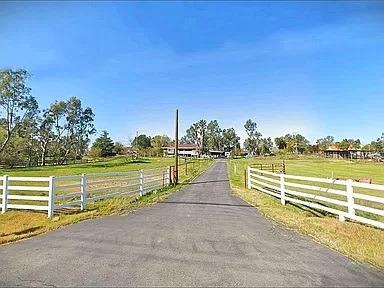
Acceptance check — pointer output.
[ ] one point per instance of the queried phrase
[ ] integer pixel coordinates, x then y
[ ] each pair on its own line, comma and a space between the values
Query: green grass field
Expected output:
120, 164
360, 242
16, 225
322, 167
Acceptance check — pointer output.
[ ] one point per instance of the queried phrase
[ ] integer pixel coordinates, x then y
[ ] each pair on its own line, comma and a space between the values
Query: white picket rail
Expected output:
282, 186
54, 193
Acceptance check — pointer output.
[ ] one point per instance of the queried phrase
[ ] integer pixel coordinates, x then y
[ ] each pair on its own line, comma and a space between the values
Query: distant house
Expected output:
217, 153
185, 150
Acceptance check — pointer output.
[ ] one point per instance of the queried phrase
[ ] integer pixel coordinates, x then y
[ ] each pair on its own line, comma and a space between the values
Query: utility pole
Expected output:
177, 147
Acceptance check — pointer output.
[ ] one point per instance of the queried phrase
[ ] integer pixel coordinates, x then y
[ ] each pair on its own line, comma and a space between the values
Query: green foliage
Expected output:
211, 137
120, 149
348, 144
214, 136
254, 144
230, 140
105, 145
296, 143
324, 143
142, 142
158, 142
16, 102
95, 152
196, 134
28, 138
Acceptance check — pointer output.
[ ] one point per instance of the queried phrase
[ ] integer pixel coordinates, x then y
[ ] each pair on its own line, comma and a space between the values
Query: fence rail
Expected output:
54, 193
361, 202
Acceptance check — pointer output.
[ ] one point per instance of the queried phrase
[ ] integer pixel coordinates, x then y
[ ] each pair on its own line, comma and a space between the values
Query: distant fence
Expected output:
52, 193
361, 202
278, 167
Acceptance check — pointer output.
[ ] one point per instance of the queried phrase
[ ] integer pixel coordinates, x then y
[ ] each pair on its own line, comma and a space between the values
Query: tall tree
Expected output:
325, 142
348, 144
79, 127
158, 142
214, 135
16, 102
281, 143
142, 142
265, 146
230, 140
120, 149
196, 134
253, 140
104, 144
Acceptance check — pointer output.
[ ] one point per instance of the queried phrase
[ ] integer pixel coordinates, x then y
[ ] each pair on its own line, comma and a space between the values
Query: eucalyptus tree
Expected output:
253, 140
214, 135
196, 134
16, 102
79, 126
230, 140
65, 128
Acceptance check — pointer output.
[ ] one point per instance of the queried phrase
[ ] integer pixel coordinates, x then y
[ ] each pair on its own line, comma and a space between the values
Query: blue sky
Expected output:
316, 68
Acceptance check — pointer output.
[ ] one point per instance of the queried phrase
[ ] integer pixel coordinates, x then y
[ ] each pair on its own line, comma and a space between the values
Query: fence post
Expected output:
141, 188
83, 191
350, 200
51, 197
282, 189
4, 202
186, 168
249, 178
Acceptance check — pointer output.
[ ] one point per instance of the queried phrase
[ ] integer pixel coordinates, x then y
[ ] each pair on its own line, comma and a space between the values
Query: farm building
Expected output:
350, 153
216, 153
186, 150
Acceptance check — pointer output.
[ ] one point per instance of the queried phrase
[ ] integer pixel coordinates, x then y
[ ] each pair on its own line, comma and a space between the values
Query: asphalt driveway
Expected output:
200, 236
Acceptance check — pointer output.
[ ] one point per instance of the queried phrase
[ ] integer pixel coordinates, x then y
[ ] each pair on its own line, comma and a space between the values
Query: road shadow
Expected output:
204, 203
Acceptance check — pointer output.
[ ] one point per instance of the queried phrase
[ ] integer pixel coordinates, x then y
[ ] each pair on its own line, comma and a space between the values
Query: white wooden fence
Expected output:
55, 193
361, 202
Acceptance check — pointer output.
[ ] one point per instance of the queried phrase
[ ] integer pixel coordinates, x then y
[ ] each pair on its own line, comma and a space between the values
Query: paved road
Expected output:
201, 236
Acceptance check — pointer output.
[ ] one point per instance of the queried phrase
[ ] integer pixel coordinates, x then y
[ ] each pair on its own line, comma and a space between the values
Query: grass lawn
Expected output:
121, 163
16, 225
359, 242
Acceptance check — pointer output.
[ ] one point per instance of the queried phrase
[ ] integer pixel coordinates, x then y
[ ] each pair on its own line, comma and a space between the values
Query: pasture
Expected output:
360, 242
120, 164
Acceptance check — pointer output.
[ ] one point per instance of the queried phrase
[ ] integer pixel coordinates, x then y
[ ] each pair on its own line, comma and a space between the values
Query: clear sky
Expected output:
315, 68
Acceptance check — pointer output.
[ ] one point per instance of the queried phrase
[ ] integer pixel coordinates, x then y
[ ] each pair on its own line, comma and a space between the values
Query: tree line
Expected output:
30, 136
211, 137
142, 145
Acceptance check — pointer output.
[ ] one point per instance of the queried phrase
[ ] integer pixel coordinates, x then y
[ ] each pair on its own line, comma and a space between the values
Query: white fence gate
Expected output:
361, 202
57, 192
